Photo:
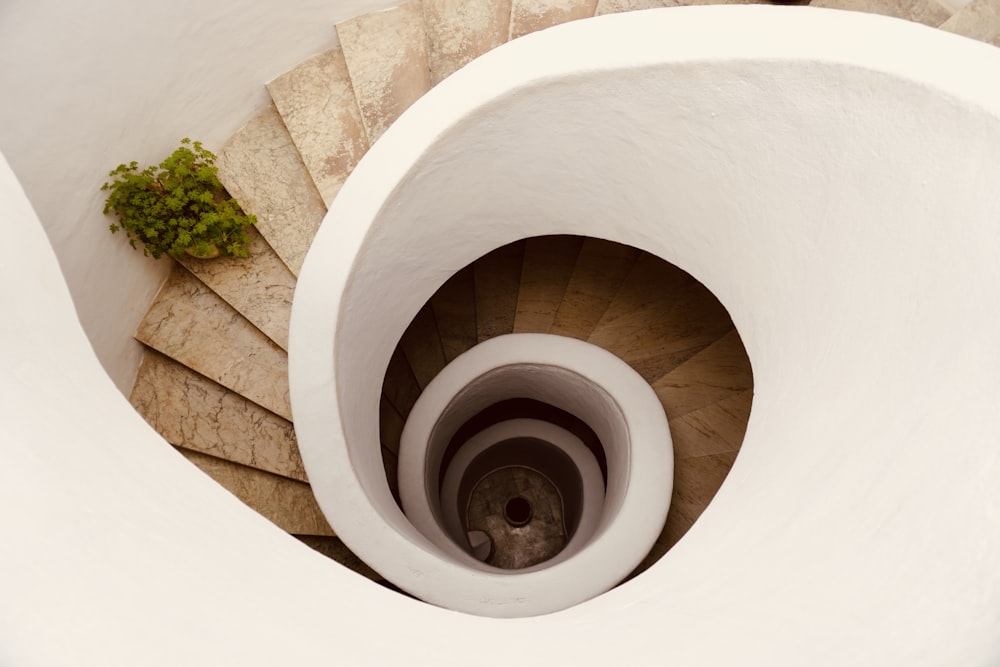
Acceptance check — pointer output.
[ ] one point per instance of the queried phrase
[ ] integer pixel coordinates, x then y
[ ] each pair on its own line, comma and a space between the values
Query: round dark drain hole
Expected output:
517, 511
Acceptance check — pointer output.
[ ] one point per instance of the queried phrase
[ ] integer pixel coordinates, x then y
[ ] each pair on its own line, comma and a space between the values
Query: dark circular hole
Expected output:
517, 511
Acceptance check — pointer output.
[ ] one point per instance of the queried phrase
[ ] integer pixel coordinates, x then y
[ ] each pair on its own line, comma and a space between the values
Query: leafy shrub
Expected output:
178, 207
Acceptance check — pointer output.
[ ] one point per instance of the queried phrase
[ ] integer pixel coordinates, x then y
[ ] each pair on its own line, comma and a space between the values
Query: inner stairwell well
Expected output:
214, 378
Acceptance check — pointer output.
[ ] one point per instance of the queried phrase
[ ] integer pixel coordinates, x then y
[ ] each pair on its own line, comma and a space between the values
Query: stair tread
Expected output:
317, 104
400, 387
527, 16
386, 55
334, 549
600, 269
497, 278
194, 326
713, 374
454, 306
547, 268
459, 31
287, 503
421, 344
980, 19
262, 168
928, 12
259, 287
615, 6
390, 425
714, 429
191, 411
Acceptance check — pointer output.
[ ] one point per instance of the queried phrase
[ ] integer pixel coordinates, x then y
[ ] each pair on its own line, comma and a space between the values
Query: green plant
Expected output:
178, 207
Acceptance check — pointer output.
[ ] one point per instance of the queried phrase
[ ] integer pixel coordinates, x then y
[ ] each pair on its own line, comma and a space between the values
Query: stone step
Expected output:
460, 30
454, 306
192, 325
317, 104
259, 287
498, 278
716, 428
400, 387
615, 6
548, 266
714, 374
928, 12
335, 549
386, 55
527, 16
980, 19
286, 503
600, 270
261, 167
192, 412
421, 344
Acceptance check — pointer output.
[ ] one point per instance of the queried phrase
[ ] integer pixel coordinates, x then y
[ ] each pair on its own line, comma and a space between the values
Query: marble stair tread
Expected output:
334, 549
459, 31
714, 429
600, 269
260, 287
645, 296
192, 325
317, 104
615, 6
400, 386
262, 168
497, 278
713, 374
928, 12
693, 321
286, 503
527, 16
980, 19
421, 344
390, 425
548, 266
386, 54
454, 306
390, 463
191, 411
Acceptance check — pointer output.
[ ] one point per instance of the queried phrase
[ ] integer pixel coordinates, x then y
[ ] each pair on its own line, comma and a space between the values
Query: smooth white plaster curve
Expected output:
584, 380
859, 526
591, 480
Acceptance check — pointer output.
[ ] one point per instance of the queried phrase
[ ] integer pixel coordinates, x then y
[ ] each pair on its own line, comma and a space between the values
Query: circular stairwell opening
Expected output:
517, 511
662, 322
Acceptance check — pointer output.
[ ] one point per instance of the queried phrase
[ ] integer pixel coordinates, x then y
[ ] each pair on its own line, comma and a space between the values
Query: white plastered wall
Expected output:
88, 85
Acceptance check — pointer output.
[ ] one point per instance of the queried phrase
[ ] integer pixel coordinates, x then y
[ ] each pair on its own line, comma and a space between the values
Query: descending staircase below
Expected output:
214, 379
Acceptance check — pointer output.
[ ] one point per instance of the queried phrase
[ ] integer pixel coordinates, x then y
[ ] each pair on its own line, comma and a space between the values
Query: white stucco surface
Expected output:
86, 86
838, 196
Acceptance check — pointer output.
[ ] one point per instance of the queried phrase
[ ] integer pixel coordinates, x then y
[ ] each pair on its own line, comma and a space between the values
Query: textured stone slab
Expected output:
454, 306
548, 265
317, 103
386, 54
400, 387
980, 20
498, 276
334, 549
645, 297
190, 323
191, 411
717, 372
390, 425
288, 504
615, 6
527, 16
928, 12
260, 287
713, 429
600, 270
460, 30
261, 167
421, 344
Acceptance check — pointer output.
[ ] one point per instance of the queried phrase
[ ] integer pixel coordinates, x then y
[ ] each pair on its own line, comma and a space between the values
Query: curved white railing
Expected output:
840, 198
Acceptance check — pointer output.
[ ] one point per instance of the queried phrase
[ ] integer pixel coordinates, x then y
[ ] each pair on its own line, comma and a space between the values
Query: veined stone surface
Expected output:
421, 344
527, 16
460, 30
497, 277
400, 387
713, 429
713, 374
288, 504
261, 167
193, 325
386, 54
615, 6
454, 306
259, 287
316, 100
980, 19
547, 268
928, 12
600, 269
191, 411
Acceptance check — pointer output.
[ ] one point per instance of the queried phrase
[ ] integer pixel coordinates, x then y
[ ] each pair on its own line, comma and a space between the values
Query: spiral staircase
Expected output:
214, 378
